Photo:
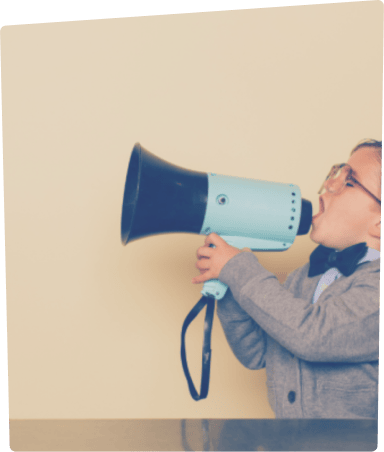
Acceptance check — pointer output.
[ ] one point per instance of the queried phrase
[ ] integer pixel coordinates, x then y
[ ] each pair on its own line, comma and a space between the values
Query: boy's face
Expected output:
351, 216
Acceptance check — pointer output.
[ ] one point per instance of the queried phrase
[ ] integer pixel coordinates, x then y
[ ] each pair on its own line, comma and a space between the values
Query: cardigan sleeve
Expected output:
245, 337
342, 328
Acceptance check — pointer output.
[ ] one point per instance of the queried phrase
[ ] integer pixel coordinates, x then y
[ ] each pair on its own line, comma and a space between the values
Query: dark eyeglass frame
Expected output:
348, 177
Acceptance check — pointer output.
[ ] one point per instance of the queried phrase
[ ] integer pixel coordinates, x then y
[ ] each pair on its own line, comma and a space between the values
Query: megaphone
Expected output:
161, 198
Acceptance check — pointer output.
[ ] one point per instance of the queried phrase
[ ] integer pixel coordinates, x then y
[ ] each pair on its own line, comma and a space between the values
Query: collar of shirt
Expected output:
371, 255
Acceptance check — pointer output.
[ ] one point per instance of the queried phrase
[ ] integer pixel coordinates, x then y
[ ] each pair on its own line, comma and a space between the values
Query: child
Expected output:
319, 344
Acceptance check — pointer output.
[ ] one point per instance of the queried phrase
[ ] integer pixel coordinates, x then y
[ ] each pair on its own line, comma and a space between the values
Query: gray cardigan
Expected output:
321, 359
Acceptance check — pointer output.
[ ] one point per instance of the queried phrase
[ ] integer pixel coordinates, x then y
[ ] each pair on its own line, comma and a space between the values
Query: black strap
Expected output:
206, 358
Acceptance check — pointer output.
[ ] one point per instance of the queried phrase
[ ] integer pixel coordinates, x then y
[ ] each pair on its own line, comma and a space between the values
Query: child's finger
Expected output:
202, 278
214, 239
204, 251
203, 264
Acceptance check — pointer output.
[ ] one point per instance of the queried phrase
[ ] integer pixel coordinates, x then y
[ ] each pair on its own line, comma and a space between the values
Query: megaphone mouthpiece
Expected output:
305, 218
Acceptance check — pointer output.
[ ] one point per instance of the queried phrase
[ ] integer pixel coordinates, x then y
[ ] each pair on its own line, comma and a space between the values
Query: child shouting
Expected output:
317, 335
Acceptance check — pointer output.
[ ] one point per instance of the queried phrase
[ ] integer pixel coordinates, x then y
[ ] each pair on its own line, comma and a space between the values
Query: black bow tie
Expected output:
323, 258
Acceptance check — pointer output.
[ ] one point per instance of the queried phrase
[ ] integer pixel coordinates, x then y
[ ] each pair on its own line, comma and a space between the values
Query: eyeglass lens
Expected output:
335, 180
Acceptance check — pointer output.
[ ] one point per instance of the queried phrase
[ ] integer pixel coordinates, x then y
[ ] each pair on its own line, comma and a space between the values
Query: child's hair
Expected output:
376, 147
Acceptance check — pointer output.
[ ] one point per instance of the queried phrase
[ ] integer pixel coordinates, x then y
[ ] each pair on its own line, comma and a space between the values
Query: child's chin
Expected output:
319, 240
314, 236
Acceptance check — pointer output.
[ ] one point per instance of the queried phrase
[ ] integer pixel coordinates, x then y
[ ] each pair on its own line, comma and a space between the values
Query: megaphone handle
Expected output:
206, 358
215, 289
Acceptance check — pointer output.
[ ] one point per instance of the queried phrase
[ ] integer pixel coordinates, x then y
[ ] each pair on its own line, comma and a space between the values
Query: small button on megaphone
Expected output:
162, 198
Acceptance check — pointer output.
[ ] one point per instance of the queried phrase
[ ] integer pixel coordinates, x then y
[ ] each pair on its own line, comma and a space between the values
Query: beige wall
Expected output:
277, 94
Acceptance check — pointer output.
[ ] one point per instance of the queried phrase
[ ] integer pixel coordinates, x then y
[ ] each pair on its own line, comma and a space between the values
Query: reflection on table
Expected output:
194, 434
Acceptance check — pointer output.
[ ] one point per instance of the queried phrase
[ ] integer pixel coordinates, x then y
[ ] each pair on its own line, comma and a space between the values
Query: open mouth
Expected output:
321, 208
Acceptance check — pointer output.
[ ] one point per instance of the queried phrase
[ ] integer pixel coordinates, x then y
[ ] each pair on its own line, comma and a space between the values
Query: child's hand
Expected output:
212, 260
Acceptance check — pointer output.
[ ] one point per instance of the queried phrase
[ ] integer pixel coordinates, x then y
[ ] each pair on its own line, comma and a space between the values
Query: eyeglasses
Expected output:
339, 177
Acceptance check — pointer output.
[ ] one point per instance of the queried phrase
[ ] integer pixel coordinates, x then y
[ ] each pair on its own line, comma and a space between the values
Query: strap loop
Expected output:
206, 355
